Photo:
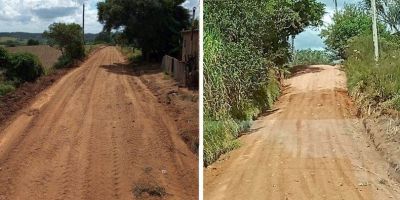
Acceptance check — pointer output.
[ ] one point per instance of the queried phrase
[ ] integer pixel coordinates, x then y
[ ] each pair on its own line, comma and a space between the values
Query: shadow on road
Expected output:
133, 69
304, 69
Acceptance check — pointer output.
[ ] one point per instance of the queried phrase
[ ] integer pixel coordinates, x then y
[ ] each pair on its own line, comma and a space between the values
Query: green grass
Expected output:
374, 86
133, 54
219, 138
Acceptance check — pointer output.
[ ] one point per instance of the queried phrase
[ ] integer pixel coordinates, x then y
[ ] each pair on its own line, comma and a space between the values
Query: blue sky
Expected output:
36, 15
310, 38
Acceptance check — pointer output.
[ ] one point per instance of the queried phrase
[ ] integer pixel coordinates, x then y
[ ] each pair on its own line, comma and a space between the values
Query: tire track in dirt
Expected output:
306, 149
93, 134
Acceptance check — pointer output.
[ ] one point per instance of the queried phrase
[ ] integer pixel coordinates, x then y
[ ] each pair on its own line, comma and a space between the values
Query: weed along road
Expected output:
311, 146
97, 133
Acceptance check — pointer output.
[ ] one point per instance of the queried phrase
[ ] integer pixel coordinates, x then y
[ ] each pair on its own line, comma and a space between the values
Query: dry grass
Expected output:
47, 55
146, 189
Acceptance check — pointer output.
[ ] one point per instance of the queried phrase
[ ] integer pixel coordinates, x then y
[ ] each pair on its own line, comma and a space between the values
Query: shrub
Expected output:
24, 67
374, 85
32, 42
63, 61
6, 88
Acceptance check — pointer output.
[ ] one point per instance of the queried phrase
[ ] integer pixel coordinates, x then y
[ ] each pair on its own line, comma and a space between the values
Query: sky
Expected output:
310, 38
36, 15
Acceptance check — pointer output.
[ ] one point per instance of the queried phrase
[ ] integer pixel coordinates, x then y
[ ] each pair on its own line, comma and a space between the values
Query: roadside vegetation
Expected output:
243, 55
375, 86
312, 57
16, 69
68, 38
133, 55
22, 66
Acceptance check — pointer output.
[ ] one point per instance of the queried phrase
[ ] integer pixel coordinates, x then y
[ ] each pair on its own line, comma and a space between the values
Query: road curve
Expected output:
310, 147
97, 133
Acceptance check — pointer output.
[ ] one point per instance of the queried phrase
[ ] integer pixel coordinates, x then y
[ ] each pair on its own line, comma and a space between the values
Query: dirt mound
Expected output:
384, 131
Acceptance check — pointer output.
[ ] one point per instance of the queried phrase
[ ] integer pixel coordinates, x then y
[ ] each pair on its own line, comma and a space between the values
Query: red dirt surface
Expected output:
97, 133
180, 103
311, 147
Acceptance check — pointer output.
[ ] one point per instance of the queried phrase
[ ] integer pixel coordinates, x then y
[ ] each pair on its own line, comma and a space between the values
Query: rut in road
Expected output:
98, 133
310, 147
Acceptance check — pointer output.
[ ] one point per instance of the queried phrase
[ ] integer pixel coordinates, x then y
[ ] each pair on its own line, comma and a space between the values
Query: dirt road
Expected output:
310, 147
98, 133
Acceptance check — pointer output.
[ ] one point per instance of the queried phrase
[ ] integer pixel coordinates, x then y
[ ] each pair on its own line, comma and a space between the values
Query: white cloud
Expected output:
37, 15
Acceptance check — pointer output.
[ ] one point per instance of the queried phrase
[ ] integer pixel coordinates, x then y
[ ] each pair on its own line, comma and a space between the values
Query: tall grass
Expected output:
239, 83
374, 85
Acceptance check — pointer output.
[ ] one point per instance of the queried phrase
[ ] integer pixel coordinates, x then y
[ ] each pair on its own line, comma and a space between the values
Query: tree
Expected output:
32, 42
388, 11
67, 38
154, 26
266, 25
352, 21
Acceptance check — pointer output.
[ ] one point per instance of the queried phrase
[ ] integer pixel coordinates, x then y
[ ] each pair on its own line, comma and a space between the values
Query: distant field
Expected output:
3, 39
47, 55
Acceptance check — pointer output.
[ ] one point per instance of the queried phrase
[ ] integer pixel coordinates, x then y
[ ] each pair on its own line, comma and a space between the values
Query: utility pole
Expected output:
293, 56
335, 1
375, 31
83, 23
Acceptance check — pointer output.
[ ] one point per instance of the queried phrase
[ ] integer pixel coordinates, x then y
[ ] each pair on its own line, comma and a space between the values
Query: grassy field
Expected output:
47, 55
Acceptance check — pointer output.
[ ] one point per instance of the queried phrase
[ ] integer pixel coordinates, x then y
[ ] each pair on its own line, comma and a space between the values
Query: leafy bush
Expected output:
312, 57
63, 61
32, 42
374, 85
6, 88
24, 67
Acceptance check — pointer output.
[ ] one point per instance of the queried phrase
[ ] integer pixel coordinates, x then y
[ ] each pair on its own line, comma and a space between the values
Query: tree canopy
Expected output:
265, 25
152, 25
68, 38
352, 21
388, 11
